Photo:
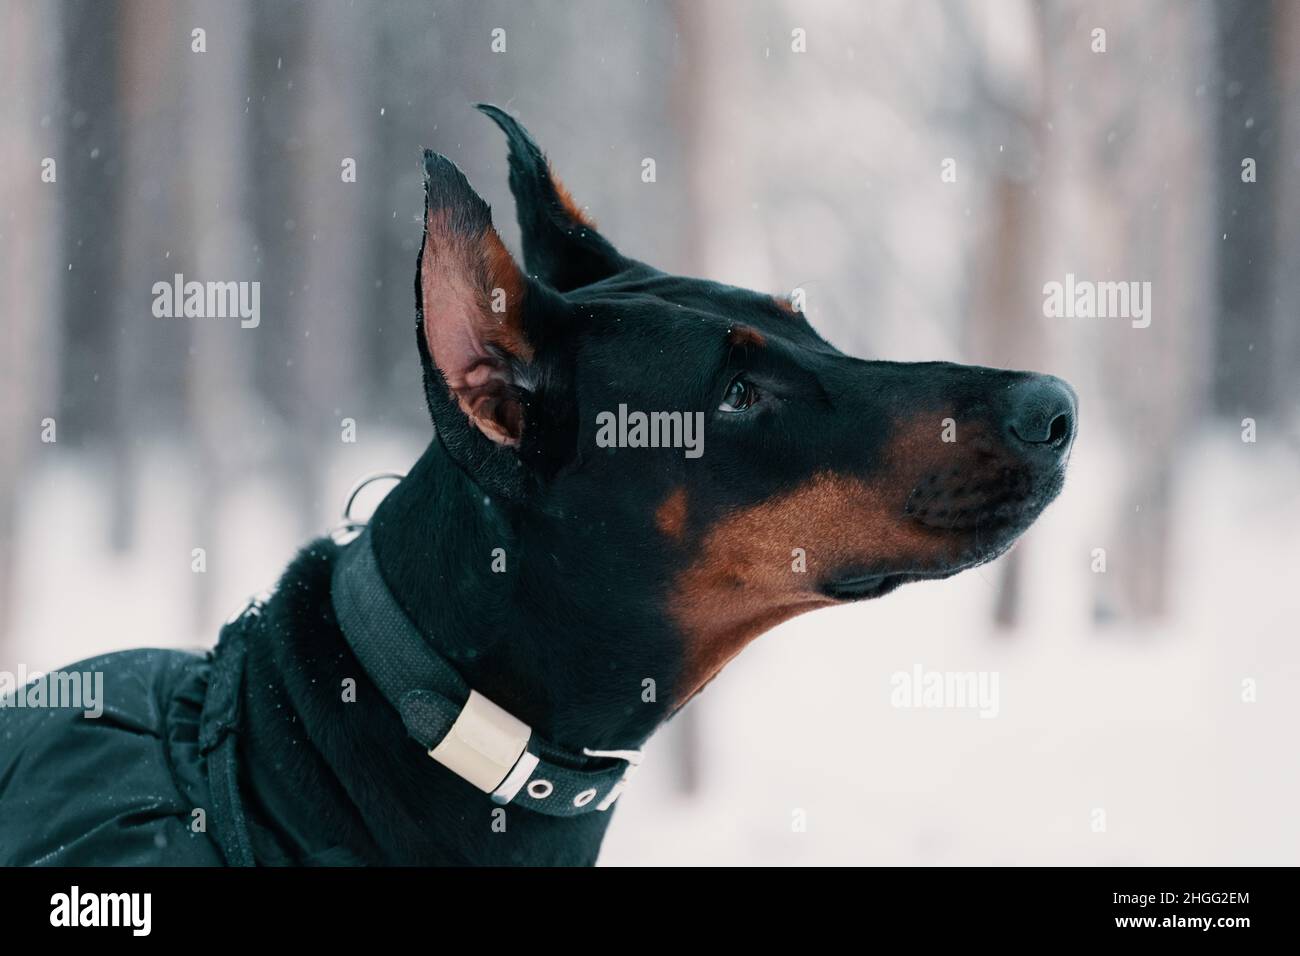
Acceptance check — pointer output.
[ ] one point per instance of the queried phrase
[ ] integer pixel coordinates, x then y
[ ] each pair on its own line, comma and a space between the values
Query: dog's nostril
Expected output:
1041, 412
1059, 430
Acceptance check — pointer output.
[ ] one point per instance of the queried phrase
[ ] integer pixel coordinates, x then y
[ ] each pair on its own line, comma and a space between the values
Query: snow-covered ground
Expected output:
1147, 726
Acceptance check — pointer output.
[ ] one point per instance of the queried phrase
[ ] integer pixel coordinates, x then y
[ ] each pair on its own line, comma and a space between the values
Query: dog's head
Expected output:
704, 437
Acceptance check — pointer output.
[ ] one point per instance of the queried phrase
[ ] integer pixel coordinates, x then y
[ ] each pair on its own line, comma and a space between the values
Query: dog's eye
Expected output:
740, 396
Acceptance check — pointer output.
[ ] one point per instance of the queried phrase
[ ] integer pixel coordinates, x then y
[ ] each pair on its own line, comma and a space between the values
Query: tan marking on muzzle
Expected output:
743, 580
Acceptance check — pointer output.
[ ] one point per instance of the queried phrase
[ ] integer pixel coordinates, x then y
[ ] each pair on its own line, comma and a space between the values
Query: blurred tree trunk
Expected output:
327, 311
219, 373
31, 263
1246, 127
92, 415
277, 65
149, 352
1285, 174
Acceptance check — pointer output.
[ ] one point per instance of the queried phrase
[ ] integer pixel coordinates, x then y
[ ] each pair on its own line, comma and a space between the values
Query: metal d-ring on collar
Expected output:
461, 729
350, 527
342, 533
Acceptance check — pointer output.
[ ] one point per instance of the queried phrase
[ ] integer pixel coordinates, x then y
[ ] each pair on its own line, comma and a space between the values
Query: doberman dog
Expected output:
585, 590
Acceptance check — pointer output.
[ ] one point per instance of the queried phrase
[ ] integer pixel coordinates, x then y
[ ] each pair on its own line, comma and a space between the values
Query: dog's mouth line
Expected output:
857, 587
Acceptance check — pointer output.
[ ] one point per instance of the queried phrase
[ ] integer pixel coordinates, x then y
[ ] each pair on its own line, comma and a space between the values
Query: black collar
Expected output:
458, 727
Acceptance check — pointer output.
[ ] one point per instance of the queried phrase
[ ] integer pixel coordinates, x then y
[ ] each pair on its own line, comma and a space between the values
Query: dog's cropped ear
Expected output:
561, 244
479, 319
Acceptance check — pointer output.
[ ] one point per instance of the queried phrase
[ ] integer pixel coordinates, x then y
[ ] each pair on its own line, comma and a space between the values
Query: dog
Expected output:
469, 679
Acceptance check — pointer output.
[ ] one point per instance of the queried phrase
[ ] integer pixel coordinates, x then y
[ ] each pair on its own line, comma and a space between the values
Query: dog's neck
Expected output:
564, 638
505, 593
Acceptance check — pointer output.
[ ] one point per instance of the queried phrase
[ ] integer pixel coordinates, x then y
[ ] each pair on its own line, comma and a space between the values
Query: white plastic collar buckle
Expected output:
487, 746
633, 760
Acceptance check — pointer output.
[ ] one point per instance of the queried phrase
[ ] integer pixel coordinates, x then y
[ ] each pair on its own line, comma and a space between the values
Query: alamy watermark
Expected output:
626, 429
945, 690
208, 300
1084, 299
75, 908
72, 690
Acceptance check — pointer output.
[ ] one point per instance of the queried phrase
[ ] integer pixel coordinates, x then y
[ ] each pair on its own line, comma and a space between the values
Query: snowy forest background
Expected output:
1120, 691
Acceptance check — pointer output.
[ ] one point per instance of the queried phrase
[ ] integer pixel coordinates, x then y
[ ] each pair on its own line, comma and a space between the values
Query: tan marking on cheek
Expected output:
743, 581
670, 517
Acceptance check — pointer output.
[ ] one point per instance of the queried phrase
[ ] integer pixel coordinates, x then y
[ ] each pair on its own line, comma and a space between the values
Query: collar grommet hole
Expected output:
584, 798
540, 789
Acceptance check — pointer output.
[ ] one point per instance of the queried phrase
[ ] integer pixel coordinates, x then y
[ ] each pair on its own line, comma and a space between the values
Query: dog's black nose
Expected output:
1042, 415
